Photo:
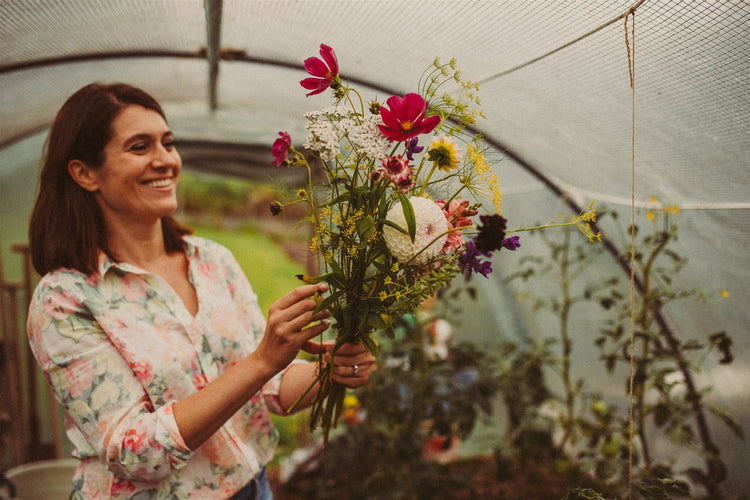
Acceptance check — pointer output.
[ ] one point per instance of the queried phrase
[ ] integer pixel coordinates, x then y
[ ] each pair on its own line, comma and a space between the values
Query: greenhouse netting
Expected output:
641, 107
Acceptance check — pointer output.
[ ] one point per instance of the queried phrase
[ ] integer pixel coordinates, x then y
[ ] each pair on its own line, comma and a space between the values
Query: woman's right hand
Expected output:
288, 326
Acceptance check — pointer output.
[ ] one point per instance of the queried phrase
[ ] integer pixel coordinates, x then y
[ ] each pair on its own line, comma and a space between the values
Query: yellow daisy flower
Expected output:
445, 153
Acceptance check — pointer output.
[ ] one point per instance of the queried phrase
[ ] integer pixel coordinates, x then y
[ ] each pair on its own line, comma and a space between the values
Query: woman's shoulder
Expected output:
65, 277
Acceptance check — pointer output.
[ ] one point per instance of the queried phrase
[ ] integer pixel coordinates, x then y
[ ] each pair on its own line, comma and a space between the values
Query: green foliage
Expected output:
410, 398
666, 399
200, 192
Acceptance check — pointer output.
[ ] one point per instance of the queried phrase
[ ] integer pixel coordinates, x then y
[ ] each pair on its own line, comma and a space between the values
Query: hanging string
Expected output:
631, 72
565, 45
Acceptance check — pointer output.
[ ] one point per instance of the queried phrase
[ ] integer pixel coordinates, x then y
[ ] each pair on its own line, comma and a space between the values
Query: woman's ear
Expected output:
83, 175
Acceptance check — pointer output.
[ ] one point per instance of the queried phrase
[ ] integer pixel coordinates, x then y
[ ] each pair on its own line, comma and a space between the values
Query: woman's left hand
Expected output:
352, 364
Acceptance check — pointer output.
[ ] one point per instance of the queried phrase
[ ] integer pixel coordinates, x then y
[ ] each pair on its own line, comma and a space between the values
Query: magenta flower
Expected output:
324, 72
281, 147
405, 118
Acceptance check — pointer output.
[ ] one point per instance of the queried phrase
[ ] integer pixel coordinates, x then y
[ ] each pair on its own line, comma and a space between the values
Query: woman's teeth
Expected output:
159, 183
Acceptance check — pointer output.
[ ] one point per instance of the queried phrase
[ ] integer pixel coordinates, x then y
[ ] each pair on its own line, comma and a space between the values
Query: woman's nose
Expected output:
166, 157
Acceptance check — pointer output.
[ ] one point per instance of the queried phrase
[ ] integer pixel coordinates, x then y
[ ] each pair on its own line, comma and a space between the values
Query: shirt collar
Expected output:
106, 263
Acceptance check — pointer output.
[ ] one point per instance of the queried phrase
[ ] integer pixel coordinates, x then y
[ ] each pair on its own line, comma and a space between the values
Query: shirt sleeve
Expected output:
100, 391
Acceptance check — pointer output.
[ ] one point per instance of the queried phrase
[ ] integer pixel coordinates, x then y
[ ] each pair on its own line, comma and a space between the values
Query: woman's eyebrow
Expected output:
145, 137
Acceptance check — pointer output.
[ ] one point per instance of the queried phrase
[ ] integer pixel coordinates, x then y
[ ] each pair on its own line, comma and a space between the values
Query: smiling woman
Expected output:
152, 338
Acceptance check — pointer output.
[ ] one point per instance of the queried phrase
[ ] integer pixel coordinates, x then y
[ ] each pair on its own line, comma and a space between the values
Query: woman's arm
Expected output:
203, 413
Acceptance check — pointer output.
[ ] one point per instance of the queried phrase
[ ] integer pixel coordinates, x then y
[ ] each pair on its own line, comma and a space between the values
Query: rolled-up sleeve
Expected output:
99, 389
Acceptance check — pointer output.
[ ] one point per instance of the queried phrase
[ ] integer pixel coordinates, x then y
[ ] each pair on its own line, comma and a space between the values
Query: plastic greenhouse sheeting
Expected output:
555, 87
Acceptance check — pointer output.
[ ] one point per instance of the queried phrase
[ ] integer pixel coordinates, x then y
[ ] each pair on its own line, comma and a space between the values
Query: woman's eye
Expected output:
168, 144
139, 147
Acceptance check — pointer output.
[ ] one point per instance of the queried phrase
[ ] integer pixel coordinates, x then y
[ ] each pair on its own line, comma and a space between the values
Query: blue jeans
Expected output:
257, 489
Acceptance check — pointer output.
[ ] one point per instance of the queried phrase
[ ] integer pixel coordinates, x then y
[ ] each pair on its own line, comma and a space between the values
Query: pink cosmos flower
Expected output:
281, 148
325, 71
404, 118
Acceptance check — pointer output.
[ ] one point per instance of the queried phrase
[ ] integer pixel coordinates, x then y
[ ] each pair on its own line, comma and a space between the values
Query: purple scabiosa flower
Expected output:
412, 148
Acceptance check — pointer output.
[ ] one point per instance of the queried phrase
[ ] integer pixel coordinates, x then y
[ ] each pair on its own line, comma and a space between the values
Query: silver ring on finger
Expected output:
355, 370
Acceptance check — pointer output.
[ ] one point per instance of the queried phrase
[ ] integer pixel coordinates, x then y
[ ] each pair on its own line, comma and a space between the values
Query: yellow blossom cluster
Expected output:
464, 108
484, 172
667, 209
583, 223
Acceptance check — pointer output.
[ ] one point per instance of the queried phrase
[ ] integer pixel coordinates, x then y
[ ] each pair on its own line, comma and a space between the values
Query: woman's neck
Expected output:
139, 244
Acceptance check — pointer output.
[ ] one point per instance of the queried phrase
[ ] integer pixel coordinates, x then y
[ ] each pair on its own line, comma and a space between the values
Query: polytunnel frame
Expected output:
214, 55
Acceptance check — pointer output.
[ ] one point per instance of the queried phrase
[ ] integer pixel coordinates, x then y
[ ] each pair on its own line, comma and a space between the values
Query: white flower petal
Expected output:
430, 236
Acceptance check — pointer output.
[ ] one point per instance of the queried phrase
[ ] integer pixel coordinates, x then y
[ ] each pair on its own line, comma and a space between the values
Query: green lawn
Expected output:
270, 271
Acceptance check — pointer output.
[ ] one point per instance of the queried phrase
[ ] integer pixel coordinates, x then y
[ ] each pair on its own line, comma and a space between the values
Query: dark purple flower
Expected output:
470, 260
491, 233
281, 147
412, 148
276, 208
512, 243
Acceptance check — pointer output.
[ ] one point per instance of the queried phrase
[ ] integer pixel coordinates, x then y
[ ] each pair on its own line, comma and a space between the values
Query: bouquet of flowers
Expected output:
394, 219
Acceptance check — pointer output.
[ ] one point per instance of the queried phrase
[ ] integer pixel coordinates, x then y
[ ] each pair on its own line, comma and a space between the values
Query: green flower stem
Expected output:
354, 107
318, 377
545, 226
427, 180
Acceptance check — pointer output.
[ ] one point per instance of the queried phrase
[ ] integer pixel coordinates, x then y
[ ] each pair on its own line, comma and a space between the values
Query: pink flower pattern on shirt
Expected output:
119, 348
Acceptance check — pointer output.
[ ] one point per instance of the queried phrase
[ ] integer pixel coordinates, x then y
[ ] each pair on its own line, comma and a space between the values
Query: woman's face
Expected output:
137, 182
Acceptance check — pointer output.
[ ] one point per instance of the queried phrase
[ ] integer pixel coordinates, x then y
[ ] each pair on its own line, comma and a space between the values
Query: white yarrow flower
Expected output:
431, 233
367, 139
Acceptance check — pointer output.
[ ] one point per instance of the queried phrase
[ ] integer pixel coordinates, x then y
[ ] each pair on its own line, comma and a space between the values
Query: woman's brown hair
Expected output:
67, 228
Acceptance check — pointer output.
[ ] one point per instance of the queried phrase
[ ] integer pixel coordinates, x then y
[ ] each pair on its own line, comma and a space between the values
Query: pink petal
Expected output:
316, 67
414, 106
329, 56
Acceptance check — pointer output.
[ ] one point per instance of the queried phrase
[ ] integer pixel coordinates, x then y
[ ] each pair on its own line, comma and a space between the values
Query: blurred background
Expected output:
563, 126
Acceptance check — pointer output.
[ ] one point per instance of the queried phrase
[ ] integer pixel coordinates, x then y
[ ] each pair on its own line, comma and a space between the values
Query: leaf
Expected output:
411, 221
728, 420
376, 321
365, 227
328, 301
371, 345
311, 280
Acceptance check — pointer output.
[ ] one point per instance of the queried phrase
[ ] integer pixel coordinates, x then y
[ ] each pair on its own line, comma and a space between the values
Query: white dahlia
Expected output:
431, 232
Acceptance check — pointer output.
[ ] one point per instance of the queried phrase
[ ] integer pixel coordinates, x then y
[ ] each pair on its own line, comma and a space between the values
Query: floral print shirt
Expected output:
119, 348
